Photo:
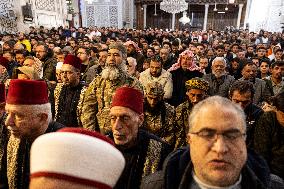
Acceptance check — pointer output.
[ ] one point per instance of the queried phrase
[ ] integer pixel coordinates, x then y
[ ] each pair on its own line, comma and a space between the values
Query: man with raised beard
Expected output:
94, 105
219, 81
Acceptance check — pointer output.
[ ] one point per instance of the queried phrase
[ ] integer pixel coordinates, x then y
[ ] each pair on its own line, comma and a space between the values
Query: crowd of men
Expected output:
126, 108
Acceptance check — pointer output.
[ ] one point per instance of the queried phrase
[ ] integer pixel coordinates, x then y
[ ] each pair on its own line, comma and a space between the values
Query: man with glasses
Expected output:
48, 63
242, 93
67, 93
217, 156
84, 54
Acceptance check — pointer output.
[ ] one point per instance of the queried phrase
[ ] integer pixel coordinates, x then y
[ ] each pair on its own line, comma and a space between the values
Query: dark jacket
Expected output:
269, 142
168, 63
253, 113
219, 86
66, 100
49, 69
16, 174
262, 93
146, 157
177, 173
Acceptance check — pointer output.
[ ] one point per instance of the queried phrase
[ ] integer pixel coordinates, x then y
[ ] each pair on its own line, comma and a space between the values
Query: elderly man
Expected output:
196, 91
261, 89
131, 67
144, 153
67, 93
217, 156
95, 102
219, 81
183, 70
242, 93
156, 73
28, 116
97, 68
159, 116
67, 146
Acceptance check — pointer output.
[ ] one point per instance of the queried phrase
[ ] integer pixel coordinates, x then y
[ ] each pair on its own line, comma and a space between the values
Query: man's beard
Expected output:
113, 72
218, 74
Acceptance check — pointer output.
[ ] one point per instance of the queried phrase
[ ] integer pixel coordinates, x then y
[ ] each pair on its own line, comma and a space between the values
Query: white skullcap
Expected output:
59, 65
77, 155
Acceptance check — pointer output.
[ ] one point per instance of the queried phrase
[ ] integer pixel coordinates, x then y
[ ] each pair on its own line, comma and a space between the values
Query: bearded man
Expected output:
159, 116
67, 94
94, 106
219, 81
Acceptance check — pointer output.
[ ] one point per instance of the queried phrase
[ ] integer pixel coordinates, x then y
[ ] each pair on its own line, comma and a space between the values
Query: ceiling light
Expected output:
215, 8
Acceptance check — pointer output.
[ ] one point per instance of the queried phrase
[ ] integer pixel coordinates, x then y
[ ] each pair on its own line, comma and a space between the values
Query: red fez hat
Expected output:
4, 61
130, 98
27, 92
73, 61
2, 93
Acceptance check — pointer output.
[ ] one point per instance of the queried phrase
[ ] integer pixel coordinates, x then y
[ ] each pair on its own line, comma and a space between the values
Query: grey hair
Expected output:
133, 60
33, 109
217, 102
219, 59
120, 47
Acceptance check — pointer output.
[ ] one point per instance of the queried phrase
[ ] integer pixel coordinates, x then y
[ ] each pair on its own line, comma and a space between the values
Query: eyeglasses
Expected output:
211, 135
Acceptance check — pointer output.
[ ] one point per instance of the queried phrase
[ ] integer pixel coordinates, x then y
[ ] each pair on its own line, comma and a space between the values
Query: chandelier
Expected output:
184, 19
173, 6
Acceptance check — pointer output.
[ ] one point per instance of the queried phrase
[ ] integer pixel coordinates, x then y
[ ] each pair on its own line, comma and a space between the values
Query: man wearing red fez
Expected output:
144, 153
95, 104
67, 94
28, 117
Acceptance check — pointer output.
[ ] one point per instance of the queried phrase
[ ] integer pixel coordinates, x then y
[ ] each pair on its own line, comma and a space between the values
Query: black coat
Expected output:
22, 164
179, 78
177, 173
146, 156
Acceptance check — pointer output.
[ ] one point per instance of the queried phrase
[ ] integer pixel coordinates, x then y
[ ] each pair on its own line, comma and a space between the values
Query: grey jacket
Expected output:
219, 87
261, 91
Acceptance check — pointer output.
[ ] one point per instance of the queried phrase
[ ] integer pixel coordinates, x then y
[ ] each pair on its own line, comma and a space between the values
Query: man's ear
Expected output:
43, 117
188, 138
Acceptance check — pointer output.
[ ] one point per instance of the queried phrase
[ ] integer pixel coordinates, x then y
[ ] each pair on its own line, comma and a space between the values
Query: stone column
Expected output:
247, 13
173, 21
145, 16
205, 17
239, 15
